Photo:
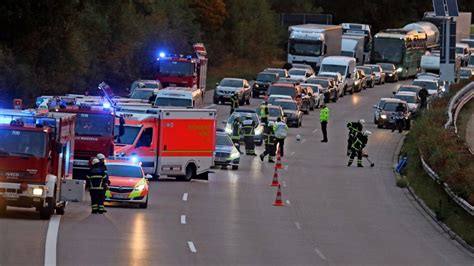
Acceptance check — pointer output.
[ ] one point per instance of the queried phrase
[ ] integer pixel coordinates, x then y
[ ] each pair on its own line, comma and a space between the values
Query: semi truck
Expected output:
36, 155
310, 43
364, 30
353, 46
463, 23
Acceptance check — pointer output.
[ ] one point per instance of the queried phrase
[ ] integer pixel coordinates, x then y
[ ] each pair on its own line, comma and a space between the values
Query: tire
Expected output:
255, 95
352, 90
46, 212
375, 121
60, 211
248, 100
3, 208
215, 101
235, 167
334, 99
190, 173
242, 102
379, 125
143, 205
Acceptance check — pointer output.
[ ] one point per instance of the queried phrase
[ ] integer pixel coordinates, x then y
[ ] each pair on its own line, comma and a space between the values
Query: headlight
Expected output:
140, 187
228, 129
256, 86
258, 130
234, 155
390, 74
38, 191
383, 116
399, 70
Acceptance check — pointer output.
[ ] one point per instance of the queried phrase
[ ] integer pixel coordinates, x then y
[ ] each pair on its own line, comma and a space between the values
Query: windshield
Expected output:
242, 116
304, 47
410, 89
322, 82
145, 85
341, 69
347, 53
471, 61
387, 67
406, 98
426, 84
100, 125
297, 72
124, 170
469, 42
271, 100
280, 72
231, 83
178, 102
18, 142
129, 136
287, 105
266, 77
142, 94
388, 50
282, 91
168, 67
376, 69
390, 106
274, 112
367, 70
223, 140
459, 50
466, 72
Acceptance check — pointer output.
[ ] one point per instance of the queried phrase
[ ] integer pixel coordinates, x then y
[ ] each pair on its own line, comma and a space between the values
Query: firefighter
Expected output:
270, 143
353, 128
102, 165
248, 128
281, 131
264, 112
97, 179
423, 95
358, 145
236, 128
234, 102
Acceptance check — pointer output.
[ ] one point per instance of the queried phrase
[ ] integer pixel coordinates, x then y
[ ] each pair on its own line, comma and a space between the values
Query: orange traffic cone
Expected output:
278, 200
278, 164
275, 182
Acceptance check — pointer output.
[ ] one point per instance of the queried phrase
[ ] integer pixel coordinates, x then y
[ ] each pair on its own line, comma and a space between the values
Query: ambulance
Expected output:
182, 97
173, 142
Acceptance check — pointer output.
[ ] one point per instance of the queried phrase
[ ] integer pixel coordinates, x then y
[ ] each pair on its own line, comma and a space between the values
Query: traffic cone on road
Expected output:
278, 200
275, 182
278, 164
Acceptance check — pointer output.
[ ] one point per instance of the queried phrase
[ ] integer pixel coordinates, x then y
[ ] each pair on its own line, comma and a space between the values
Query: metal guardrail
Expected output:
461, 202
456, 103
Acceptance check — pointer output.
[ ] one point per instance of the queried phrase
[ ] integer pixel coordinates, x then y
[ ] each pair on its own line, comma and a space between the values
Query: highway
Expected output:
333, 214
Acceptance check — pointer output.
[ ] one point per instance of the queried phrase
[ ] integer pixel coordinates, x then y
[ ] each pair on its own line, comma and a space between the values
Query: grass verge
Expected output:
463, 119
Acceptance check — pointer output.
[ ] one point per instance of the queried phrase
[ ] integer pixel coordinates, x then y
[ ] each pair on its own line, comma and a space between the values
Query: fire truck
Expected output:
94, 127
35, 156
183, 70
174, 142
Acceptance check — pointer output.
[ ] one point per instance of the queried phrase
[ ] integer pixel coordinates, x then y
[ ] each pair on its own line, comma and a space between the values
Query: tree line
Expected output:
68, 46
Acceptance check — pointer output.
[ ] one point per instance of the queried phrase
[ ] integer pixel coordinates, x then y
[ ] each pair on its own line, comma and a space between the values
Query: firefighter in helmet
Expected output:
358, 145
234, 102
354, 128
235, 135
97, 179
270, 143
248, 128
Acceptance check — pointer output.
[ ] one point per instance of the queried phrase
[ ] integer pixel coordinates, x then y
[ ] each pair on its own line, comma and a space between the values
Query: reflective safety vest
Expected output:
269, 137
354, 127
324, 114
248, 127
97, 178
263, 111
281, 130
360, 141
235, 130
234, 102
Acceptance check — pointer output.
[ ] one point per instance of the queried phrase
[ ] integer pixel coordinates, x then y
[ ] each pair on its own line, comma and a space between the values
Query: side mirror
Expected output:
148, 176
217, 83
375, 106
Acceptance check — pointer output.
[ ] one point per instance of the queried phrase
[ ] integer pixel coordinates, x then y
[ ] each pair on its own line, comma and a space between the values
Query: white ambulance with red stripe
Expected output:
174, 142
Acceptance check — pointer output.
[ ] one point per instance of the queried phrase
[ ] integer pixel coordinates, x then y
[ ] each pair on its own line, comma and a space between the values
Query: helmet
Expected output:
95, 161
100, 156
298, 137
362, 121
367, 133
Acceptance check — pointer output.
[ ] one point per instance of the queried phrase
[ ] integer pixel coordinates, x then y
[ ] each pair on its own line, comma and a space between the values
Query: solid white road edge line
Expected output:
185, 196
183, 219
210, 106
192, 247
320, 254
50, 252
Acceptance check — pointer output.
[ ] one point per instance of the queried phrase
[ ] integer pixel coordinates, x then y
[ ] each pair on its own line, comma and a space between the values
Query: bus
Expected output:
403, 48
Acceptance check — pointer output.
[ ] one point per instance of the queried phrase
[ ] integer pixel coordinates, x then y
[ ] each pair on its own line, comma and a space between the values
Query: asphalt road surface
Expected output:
333, 214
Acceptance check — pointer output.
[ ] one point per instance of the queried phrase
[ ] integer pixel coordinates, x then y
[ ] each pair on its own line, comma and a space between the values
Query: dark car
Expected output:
282, 73
369, 74
294, 116
226, 153
288, 89
328, 85
262, 82
391, 74
387, 113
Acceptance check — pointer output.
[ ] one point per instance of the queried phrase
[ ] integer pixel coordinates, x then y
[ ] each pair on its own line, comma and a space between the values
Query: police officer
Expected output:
357, 146
248, 128
97, 179
235, 136
353, 128
281, 131
264, 112
399, 118
234, 102
324, 119
270, 143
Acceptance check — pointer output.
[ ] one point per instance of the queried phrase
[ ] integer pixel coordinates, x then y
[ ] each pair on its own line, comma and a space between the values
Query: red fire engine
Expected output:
35, 156
184, 71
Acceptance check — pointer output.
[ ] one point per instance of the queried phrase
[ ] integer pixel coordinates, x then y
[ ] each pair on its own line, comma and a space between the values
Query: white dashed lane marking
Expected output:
185, 196
192, 247
183, 219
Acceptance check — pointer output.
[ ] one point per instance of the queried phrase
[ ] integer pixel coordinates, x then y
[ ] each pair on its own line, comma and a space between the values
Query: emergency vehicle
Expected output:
94, 131
173, 142
35, 156
183, 71
182, 97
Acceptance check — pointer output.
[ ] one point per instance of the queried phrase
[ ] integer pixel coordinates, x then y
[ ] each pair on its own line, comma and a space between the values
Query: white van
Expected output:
180, 97
346, 66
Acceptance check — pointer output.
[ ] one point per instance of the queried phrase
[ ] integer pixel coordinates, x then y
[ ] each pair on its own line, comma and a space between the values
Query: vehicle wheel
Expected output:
60, 210
352, 90
46, 212
408, 125
215, 101
190, 172
255, 95
3, 208
248, 100
144, 205
235, 167
379, 125
334, 99
375, 121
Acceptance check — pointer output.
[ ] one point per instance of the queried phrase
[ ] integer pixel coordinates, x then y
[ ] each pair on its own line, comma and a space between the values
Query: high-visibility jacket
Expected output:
360, 141
97, 178
234, 102
354, 127
248, 128
281, 130
264, 111
269, 136
235, 129
324, 114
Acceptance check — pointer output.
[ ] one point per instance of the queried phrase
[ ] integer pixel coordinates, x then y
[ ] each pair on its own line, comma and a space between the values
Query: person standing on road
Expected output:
356, 149
281, 131
270, 143
102, 165
234, 102
324, 119
423, 94
354, 128
264, 113
236, 128
248, 127
97, 179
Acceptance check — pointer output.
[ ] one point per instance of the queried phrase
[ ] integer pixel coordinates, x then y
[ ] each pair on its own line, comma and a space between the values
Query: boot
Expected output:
359, 165
261, 157
349, 163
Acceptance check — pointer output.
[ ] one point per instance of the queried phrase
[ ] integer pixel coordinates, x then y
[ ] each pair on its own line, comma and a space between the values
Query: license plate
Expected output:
11, 195
120, 196
221, 160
